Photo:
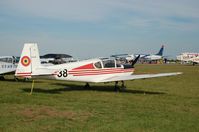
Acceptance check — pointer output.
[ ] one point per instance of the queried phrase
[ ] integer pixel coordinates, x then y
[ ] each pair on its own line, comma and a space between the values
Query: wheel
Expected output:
2, 78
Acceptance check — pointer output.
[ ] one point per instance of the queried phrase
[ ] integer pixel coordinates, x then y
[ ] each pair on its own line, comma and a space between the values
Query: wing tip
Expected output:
179, 73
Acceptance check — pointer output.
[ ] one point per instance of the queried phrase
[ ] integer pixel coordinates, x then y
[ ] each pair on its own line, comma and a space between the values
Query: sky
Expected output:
99, 28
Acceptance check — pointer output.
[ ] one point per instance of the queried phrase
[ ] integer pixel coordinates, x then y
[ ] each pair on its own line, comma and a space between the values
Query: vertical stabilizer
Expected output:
160, 53
29, 60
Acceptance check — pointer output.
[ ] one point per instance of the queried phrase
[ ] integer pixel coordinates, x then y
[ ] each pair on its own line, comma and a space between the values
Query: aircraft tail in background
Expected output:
160, 53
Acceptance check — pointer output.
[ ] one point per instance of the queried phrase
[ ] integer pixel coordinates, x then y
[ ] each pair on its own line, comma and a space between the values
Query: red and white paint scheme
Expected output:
92, 70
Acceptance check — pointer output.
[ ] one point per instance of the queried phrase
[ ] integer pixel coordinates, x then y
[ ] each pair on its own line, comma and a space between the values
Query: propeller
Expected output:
135, 61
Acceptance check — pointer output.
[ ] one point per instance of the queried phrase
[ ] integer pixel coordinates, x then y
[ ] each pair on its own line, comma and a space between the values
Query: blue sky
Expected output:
88, 28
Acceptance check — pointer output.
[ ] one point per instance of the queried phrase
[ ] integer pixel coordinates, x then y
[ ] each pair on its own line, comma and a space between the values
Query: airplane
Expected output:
189, 57
8, 65
195, 60
99, 70
121, 58
157, 56
148, 57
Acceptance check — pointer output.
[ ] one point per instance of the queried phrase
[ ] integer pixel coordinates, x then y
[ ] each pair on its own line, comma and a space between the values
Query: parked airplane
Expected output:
148, 57
189, 57
195, 60
121, 58
7, 65
92, 70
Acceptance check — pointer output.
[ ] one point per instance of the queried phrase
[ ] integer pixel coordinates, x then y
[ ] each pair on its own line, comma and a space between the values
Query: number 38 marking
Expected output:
63, 73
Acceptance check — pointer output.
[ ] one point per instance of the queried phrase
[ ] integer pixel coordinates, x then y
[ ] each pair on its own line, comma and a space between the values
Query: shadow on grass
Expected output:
75, 87
21, 80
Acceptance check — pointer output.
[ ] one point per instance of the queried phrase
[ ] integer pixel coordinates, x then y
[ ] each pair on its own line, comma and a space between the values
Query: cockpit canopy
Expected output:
107, 63
9, 59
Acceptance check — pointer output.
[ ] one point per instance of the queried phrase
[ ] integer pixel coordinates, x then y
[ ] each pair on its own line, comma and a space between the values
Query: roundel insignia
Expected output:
25, 61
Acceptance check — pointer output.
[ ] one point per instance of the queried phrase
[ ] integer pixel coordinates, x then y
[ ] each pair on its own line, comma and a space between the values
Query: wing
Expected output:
133, 77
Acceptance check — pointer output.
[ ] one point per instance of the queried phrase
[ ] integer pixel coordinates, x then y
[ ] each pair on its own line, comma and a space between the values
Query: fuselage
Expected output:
7, 64
92, 70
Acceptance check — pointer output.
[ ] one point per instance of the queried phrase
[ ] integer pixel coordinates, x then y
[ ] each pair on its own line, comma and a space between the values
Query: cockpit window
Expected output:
3, 60
7, 60
98, 65
109, 63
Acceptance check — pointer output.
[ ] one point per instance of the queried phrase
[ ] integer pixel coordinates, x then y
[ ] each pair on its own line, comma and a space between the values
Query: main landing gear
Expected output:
117, 88
87, 85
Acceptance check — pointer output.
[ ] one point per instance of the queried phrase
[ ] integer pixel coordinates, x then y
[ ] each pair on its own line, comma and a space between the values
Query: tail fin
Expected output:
161, 51
29, 60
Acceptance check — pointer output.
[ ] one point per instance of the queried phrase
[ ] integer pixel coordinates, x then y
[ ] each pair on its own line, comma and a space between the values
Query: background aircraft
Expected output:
143, 57
92, 70
189, 57
195, 60
8, 65
56, 59
150, 57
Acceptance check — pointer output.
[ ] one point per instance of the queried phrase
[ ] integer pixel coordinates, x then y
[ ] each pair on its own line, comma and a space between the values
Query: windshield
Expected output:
109, 63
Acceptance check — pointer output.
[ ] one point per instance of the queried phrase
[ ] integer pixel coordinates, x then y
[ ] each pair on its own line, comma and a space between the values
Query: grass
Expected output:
158, 104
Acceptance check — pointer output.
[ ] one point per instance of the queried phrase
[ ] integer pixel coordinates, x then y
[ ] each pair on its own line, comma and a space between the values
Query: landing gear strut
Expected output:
87, 85
117, 88
123, 86
16, 79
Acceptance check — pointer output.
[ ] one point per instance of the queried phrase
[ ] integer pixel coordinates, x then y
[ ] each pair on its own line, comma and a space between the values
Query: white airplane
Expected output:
189, 57
7, 65
149, 57
88, 71
195, 60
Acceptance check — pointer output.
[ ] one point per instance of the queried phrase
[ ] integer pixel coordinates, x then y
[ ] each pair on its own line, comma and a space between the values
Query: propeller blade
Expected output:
135, 61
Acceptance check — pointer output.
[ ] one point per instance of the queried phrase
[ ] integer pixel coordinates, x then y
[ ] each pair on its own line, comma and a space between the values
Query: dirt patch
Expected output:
49, 112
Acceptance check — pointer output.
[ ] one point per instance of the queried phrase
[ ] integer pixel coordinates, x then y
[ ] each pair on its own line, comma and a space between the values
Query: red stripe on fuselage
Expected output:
88, 66
112, 69
99, 72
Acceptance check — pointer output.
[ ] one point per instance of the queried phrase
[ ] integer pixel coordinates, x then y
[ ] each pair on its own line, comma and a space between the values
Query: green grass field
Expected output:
168, 104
